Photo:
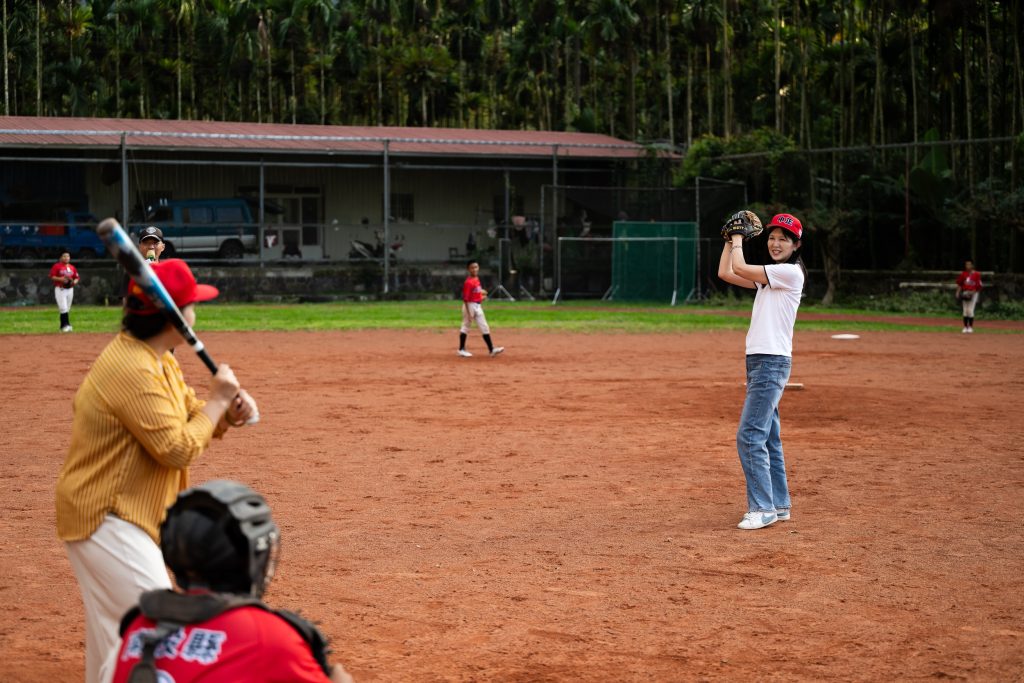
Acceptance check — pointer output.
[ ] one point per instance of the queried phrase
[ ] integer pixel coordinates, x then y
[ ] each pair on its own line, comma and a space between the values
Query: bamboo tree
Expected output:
726, 73
777, 34
7, 95
669, 88
989, 111
39, 59
969, 123
265, 48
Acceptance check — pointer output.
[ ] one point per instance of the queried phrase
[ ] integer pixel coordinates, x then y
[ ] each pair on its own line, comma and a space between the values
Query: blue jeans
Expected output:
759, 437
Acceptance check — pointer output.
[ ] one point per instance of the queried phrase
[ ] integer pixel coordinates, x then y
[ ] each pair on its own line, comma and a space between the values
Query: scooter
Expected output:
364, 251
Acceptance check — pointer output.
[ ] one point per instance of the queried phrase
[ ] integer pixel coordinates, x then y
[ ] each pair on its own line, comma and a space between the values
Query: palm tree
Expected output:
292, 34
323, 16
609, 26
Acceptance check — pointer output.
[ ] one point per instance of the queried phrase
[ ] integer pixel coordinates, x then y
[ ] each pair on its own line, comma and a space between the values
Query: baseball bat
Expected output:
123, 249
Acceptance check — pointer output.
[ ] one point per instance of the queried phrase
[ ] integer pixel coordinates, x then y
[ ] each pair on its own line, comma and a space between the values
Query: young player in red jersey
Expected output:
65, 277
221, 543
473, 296
968, 286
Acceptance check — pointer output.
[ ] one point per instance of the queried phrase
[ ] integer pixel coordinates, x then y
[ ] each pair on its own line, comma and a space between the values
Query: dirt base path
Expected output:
567, 511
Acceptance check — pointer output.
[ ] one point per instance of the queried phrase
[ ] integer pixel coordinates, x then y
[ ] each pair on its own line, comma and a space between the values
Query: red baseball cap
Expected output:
789, 223
180, 283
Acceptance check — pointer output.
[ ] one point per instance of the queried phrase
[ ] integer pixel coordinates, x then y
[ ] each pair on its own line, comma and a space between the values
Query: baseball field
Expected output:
567, 511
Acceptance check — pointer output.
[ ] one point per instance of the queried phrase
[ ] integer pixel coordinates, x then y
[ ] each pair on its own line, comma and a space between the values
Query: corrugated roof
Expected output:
89, 133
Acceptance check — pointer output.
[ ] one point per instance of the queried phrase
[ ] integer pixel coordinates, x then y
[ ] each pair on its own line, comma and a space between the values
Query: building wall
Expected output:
447, 205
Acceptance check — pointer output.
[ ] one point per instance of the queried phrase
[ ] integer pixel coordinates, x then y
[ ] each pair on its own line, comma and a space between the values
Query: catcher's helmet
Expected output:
220, 535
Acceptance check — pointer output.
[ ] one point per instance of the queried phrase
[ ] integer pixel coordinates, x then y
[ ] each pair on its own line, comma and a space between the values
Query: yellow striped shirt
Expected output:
137, 427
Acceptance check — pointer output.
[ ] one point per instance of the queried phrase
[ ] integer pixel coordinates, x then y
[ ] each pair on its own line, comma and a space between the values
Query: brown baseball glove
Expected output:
744, 223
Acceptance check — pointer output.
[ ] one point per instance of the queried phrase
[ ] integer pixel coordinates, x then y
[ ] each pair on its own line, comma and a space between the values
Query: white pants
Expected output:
471, 313
969, 305
64, 297
114, 567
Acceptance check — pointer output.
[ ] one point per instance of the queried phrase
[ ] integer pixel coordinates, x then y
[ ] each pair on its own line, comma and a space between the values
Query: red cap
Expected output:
789, 223
180, 283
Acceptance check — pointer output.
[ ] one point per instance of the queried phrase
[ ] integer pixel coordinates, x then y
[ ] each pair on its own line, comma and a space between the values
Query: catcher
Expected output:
221, 542
779, 284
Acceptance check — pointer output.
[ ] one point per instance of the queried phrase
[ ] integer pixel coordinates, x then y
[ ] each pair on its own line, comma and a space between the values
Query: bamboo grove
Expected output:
896, 88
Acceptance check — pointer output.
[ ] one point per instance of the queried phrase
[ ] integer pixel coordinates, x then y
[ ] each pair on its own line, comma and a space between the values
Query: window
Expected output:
402, 208
230, 214
516, 205
197, 214
310, 220
162, 214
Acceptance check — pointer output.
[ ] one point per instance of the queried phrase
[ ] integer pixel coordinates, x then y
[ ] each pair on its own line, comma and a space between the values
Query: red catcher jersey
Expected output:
244, 644
63, 270
471, 290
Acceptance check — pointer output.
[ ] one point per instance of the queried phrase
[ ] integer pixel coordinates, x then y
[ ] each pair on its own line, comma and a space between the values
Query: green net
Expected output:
658, 261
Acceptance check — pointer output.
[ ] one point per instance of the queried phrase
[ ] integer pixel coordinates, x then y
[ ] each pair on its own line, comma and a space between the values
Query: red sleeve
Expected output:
54, 269
467, 289
74, 272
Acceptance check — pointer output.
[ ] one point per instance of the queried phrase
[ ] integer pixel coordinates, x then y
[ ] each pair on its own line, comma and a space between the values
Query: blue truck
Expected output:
76, 234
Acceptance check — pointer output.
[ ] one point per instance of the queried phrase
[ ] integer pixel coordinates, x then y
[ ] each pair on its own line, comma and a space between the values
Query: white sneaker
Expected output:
964, 331
465, 354
757, 520
66, 328
497, 349
970, 330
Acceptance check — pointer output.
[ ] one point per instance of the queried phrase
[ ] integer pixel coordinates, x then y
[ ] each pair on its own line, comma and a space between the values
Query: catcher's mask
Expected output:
220, 535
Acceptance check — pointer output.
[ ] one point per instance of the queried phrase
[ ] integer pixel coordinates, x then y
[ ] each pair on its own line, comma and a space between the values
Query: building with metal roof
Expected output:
316, 192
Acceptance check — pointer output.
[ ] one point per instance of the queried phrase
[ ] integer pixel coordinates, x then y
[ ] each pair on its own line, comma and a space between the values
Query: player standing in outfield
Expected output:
473, 296
65, 277
137, 427
221, 542
968, 286
769, 361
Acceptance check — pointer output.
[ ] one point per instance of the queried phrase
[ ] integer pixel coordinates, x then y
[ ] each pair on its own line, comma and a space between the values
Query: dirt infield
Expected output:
567, 511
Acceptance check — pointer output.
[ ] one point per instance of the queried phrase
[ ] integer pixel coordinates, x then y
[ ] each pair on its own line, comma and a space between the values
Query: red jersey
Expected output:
472, 292
243, 644
971, 281
63, 270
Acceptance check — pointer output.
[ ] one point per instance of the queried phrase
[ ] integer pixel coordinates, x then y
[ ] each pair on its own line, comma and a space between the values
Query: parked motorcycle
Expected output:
364, 251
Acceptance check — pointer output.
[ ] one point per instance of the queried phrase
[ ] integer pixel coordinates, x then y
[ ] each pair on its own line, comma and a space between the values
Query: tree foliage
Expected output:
718, 79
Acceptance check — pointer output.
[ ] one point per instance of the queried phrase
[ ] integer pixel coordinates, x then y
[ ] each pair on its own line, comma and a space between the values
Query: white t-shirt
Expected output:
771, 323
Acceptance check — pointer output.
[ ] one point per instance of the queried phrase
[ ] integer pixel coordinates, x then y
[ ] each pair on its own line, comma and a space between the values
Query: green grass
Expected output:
577, 316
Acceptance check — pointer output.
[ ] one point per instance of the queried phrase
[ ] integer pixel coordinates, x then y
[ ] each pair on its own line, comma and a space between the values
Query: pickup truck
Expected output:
220, 227
77, 235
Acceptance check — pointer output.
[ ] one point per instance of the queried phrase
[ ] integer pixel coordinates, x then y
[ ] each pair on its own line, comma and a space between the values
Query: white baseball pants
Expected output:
64, 297
471, 313
969, 305
114, 566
